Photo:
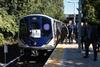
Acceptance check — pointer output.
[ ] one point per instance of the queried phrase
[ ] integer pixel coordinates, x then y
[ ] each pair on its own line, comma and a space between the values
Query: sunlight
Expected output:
71, 62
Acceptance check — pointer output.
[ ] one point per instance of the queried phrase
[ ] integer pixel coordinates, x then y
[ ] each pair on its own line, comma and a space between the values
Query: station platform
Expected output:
68, 55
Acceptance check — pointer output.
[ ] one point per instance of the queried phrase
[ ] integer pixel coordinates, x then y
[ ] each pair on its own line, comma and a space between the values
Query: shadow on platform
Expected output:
73, 58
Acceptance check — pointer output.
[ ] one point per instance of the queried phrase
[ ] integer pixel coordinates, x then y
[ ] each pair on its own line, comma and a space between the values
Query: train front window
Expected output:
34, 22
35, 25
46, 26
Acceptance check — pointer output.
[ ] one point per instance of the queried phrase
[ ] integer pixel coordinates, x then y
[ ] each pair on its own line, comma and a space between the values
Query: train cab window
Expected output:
46, 26
35, 25
35, 22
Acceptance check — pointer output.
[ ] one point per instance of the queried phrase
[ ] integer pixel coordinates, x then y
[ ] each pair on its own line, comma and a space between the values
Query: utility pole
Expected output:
74, 14
79, 25
74, 3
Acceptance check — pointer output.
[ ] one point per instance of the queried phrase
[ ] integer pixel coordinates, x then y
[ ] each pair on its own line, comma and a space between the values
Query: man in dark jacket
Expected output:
91, 38
64, 33
82, 34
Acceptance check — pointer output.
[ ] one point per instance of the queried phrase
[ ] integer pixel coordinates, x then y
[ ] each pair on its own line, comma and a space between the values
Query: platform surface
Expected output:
68, 55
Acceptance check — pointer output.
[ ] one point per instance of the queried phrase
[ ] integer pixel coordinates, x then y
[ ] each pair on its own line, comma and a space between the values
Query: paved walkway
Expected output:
69, 56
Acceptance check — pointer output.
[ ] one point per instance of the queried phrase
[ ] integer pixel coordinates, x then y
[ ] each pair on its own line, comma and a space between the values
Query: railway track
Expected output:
19, 58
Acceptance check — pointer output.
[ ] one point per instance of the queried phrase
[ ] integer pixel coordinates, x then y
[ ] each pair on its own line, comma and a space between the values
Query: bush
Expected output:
8, 26
1, 39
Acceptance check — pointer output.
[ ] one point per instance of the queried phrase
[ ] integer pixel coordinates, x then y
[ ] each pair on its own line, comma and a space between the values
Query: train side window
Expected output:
58, 30
54, 26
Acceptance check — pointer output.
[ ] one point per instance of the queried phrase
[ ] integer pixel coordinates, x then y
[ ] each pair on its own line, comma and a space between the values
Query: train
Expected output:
39, 32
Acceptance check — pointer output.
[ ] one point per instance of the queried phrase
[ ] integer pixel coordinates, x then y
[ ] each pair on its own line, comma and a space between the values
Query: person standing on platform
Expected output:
91, 38
70, 28
64, 33
83, 26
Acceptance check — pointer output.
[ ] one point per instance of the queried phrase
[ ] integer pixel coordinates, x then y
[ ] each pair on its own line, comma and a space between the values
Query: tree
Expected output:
8, 27
89, 12
1, 38
96, 5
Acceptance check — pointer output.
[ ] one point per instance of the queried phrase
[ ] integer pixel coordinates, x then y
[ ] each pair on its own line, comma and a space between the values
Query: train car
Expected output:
39, 31
39, 34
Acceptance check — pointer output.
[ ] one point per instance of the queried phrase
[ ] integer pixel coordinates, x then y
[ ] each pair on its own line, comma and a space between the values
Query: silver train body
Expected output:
38, 31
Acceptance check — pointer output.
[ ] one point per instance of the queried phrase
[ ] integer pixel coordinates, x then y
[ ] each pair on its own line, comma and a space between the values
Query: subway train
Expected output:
39, 32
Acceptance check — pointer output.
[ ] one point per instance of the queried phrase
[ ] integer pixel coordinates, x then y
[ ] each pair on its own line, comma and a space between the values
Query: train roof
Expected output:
38, 15
57, 20
42, 15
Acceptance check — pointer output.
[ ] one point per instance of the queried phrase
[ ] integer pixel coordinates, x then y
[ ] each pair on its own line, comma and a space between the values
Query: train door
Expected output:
55, 33
58, 26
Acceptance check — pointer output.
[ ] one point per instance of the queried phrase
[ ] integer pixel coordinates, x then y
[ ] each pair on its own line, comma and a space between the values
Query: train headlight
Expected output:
48, 46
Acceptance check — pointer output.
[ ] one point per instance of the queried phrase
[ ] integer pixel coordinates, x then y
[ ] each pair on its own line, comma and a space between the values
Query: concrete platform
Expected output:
68, 55
55, 60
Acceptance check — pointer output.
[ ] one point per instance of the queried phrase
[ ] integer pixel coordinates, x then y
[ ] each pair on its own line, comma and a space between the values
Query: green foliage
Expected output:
1, 39
53, 8
91, 11
8, 27
97, 7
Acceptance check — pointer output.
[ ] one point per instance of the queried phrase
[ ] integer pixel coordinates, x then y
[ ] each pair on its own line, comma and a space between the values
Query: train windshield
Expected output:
35, 30
36, 26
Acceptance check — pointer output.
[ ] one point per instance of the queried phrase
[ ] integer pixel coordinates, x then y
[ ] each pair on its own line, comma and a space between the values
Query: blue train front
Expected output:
37, 31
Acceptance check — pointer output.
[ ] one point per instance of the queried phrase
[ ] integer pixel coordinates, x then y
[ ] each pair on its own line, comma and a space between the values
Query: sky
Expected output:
69, 6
